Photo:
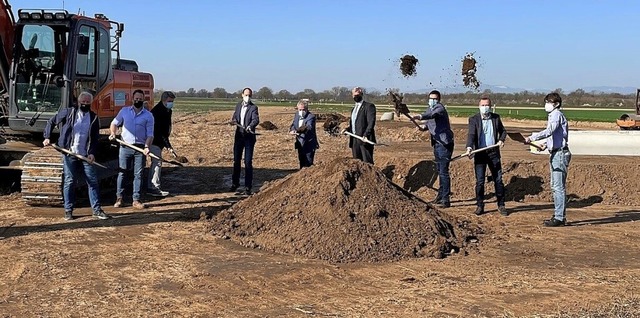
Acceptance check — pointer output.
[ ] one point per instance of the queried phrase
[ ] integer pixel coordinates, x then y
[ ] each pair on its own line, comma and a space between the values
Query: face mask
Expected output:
169, 105
484, 109
138, 104
302, 113
246, 99
85, 107
549, 107
432, 102
357, 98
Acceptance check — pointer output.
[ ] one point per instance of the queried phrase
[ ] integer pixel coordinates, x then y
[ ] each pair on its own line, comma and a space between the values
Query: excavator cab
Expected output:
631, 121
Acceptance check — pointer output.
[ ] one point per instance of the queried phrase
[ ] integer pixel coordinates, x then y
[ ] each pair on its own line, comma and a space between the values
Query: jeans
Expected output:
153, 181
243, 142
127, 158
558, 165
72, 167
491, 159
442, 156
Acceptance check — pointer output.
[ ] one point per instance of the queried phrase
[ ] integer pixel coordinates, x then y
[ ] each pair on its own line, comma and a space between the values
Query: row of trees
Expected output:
578, 97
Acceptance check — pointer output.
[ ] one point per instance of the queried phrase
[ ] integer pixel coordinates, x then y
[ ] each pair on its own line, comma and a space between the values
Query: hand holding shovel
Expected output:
138, 149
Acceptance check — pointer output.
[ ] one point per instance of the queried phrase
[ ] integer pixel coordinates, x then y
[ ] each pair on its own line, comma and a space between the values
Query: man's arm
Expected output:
255, 119
501, 130
471, 134
53, 121
552, 124
113, 128
438, 110
149, 131
371, 120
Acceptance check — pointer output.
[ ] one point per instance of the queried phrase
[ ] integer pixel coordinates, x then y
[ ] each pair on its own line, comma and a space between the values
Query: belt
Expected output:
558, 149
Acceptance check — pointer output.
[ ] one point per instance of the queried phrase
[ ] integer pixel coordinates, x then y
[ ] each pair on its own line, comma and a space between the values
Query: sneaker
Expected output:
553, 222
101, 215
503, 210
139, 205
479, 210
68, 215
157, 193
233, 188
118, 203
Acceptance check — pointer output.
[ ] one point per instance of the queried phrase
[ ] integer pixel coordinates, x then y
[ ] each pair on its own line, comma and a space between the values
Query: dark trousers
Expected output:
442, 155
243, 142
492, 160
305, 156
362, 150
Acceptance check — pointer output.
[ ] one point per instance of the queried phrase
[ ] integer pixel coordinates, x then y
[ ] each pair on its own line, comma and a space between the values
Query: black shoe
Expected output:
443, 205
101, 215
503, 210
68, 215
247, 191
553, 222
479, 210
233, 188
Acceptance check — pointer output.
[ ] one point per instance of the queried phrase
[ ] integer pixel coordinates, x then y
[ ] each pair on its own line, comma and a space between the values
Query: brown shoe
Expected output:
139, 205
118, 203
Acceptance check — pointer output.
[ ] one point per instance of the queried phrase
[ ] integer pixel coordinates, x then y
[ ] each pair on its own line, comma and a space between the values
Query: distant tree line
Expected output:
339, 94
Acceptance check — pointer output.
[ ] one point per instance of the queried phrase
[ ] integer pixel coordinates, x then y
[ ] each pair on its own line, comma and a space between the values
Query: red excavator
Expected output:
631, 121
48, 58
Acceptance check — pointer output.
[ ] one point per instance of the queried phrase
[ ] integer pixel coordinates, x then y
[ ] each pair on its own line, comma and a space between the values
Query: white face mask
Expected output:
432, 102
549, 107
169, 105
246, 98
484, 109
302, 113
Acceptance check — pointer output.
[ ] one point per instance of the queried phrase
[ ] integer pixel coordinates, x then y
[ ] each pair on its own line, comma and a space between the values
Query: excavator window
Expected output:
86, 55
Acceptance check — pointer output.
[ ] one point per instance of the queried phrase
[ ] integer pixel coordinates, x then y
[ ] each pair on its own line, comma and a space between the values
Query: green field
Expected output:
195, 104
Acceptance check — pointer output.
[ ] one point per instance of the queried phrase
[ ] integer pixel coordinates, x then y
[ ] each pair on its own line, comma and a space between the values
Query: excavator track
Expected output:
42, 177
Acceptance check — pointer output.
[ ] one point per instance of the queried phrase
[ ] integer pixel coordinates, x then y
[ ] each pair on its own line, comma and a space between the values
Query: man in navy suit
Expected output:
246, 118
362, 123
486, 129
304, 127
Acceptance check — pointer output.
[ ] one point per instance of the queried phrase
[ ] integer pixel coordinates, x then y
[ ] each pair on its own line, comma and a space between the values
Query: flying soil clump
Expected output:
341, 211
408, 65
469, 70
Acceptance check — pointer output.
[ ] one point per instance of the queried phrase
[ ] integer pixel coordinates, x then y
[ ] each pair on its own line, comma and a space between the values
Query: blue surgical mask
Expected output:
432, 102
485, 109
169, 105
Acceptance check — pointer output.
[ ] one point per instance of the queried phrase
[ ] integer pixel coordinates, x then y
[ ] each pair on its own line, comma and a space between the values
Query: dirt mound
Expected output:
267, 125
332, 116
331, 122
341, 211
408, 65
469, 70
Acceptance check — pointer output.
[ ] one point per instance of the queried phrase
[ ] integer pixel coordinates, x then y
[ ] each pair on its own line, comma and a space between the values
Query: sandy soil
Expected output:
166, 262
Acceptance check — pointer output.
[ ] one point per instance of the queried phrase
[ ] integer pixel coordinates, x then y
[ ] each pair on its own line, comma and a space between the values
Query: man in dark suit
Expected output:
486, 129
304, 127
362, 123
246, 118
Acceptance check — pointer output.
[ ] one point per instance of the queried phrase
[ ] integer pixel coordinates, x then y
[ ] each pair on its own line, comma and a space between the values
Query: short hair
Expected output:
85, 93
304, 102
435, 92
250, 91
358, 90
553, 98
137, 91
486, 98
167, 94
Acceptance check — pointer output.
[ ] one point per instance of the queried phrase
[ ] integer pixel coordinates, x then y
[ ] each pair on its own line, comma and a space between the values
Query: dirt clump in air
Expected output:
408, 65
469, 69
342, 211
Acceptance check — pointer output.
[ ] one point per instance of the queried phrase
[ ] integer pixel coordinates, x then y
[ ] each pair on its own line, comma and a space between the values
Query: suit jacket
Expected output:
475, 130
308, 139
161, 125
251, 117
65, 119
365, 123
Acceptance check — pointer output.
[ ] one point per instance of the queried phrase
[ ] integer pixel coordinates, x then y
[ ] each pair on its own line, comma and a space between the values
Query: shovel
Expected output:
473, 152
181, 159
364, 140
401, 108
520, 138
83, 158
138, 149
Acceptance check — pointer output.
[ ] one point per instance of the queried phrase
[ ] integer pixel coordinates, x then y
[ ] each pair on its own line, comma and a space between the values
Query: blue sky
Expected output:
320, 44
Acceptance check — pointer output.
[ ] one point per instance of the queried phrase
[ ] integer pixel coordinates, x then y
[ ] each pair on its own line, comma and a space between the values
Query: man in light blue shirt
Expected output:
137, 129
557, 132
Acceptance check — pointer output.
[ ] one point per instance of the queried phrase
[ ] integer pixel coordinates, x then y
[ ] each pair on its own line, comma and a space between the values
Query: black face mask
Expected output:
85, 107
138, 104
357, 98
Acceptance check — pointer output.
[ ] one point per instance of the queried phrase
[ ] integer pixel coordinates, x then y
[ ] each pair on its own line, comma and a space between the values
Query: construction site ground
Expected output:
165, 261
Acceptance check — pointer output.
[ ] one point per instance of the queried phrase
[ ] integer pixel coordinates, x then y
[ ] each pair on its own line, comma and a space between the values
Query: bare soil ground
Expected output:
166, 262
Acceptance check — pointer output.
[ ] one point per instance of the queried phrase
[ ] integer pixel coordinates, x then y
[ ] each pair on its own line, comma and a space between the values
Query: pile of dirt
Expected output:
267, 125
341, 211
331, 122
408, 65
469, 70
332, 116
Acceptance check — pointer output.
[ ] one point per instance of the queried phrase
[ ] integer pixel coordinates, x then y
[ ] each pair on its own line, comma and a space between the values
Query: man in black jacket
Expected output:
79, 132
362, 123
246, 118
161, 131
486, 129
